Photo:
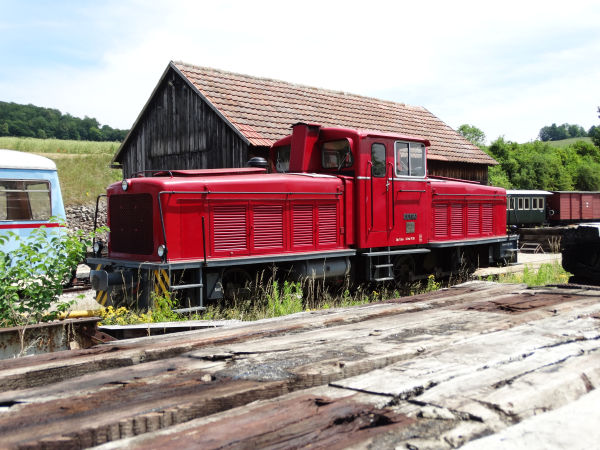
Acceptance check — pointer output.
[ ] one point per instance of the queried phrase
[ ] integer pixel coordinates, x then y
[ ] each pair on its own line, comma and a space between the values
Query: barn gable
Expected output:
199, 117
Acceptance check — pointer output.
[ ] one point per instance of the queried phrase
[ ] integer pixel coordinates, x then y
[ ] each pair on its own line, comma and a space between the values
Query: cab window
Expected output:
282, 159
336, 154
410, 159
378, 160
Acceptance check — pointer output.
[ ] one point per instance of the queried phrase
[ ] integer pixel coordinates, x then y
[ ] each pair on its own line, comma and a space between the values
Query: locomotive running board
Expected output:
473, 242
407, 251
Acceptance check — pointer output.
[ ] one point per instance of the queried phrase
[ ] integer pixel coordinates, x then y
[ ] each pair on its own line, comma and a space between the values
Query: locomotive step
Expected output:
379, 266
383, 279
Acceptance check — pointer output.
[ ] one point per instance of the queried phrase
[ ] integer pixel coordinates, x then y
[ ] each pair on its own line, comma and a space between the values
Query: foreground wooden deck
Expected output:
437, 370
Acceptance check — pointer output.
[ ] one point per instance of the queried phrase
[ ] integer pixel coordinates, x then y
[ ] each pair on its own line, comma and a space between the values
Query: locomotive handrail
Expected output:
393, 199
96, 218
369, 163
470, 195
251, 192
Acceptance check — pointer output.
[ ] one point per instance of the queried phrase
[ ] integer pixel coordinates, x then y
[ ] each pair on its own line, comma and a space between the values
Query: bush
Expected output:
35, 273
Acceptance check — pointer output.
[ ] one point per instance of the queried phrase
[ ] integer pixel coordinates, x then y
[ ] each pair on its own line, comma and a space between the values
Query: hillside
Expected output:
35, 121
567, 142
83, 166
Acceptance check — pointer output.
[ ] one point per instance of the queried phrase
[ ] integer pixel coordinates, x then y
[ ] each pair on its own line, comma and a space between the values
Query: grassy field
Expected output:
567, 142
83, 166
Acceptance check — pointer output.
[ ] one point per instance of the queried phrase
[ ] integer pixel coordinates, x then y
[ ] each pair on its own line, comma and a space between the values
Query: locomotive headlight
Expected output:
162, 251
124, 185
98, 246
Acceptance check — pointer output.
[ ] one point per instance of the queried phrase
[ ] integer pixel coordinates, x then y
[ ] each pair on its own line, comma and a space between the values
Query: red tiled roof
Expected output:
263, 110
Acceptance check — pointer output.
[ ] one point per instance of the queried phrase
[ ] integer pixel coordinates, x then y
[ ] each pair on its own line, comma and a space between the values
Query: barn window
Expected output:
378, 160
336, 154
410, 159
25, 200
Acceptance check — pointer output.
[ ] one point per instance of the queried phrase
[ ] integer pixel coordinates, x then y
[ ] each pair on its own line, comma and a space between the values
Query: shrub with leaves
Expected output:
33, 275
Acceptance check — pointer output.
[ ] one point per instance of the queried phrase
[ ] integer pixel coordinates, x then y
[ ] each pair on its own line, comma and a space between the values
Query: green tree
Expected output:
595, 133
472, 133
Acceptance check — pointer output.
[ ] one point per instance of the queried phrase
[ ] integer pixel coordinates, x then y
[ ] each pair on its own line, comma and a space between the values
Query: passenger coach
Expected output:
29, 194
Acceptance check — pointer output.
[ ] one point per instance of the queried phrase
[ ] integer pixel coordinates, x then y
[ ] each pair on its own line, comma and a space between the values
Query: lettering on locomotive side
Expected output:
410, 216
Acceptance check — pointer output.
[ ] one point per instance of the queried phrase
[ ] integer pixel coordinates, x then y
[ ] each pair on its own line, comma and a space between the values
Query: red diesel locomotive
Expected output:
338, 202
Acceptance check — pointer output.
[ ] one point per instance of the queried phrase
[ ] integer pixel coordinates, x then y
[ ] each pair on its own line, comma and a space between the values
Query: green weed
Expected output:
545, 274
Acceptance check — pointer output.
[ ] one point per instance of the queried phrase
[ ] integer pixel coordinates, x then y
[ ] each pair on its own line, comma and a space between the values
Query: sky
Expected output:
508, 68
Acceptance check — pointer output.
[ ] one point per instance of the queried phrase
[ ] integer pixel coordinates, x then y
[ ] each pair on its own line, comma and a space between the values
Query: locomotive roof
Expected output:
526, 192
11, 159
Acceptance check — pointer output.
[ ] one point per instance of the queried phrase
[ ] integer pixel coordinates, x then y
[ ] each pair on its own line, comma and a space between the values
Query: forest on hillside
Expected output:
541, 165
35, 121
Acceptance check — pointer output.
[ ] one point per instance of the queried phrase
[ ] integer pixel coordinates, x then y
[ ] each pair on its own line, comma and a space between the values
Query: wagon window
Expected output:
25, 200
410, 159
534, 203
541, 203
378, 160
526, 203
520, 203
336, 154
511, 203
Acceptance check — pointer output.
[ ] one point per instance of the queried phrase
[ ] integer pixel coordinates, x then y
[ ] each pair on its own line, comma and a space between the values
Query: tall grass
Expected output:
83, 166
84, 177
36, 145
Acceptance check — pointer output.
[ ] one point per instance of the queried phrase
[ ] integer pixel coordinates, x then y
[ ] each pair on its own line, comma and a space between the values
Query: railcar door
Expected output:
379, 192
409, 206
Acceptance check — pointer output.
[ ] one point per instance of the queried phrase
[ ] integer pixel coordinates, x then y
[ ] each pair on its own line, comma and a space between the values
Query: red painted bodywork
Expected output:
238, 213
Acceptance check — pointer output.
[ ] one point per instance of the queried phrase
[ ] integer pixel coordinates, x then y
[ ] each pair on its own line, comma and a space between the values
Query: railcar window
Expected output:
534, 203
378, 160
511, 203
526, 203
541, 203
520, 203
410, 159
25, 200
282, 159
336, 154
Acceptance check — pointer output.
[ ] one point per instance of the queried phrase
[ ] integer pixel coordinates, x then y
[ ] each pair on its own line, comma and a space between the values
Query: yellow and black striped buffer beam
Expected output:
162, 283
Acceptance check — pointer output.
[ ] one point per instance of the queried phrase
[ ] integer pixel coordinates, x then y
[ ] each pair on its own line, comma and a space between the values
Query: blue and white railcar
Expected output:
29, 194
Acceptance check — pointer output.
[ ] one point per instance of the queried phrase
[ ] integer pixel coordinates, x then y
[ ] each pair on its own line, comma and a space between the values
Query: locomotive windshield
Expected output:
282, 159
410, 159
336, 154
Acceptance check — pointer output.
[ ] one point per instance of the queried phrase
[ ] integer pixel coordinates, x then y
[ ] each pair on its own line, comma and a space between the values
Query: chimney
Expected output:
304, 136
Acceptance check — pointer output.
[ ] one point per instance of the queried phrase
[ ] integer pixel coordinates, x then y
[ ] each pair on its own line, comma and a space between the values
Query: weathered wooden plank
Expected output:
458, 364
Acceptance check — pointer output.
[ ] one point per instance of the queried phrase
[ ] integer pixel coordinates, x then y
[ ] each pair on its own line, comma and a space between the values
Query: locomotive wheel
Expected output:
236, 283
404, 268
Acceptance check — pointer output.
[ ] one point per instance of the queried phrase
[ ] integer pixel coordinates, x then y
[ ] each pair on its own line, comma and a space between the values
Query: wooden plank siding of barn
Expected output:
179, 130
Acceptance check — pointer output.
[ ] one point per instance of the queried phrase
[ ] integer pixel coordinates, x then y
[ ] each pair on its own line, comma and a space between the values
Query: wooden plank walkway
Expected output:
436, 370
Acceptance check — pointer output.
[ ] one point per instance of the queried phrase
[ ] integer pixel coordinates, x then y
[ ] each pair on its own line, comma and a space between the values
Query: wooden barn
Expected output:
199, 117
